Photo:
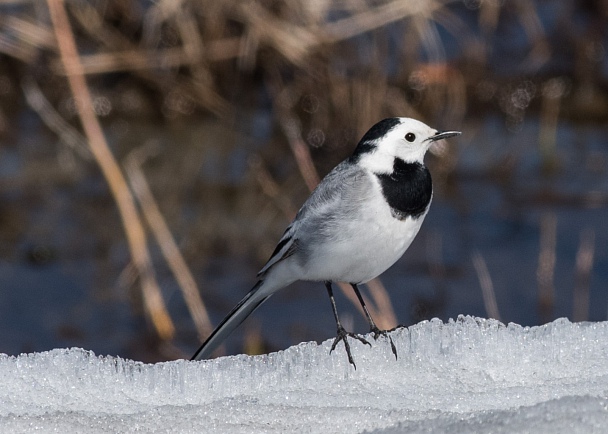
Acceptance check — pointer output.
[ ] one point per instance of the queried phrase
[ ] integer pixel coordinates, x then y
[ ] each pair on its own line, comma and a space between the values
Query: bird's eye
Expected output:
410, 137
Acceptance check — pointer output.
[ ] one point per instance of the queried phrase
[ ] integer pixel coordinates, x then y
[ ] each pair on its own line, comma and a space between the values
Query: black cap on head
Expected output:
379, 130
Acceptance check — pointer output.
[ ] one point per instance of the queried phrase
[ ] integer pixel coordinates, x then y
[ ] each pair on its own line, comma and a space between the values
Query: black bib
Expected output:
408, 190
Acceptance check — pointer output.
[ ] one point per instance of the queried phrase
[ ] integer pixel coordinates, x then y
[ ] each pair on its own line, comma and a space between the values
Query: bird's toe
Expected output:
377, 333
343, 336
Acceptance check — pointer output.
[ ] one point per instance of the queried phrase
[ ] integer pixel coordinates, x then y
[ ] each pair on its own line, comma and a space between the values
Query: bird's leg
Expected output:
342, 334
372, 325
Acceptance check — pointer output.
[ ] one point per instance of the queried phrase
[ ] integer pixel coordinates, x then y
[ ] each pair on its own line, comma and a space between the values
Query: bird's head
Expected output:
403, 138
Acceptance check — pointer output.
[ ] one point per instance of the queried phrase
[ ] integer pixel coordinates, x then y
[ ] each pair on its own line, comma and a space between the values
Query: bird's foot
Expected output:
377, 333
343, 336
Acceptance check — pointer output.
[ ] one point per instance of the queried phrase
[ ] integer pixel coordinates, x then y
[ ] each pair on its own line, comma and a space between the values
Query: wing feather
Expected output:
336, 197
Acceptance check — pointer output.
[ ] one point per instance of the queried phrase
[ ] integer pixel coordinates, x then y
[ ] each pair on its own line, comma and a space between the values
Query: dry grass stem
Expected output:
134, 230
253, 341
140, 59
53, 120
552, 92
377, 17
32, 33
386, 318
434, 249
292, 41
352, 297
165, 240
300, 151
487, 287
295, 42
546, 265
25, 53
489, 12
584, 265
125, 53
535, 32
270, 187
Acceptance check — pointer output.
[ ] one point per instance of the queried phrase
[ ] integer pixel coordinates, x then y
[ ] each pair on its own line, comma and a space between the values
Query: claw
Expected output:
343, 336
377, 333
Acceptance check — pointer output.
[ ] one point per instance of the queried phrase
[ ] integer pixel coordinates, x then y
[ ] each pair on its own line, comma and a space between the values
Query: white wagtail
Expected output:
358, 222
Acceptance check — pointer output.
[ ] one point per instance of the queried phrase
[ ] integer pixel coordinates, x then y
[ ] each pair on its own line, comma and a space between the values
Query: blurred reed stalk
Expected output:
134, 230
584, 265
270, 187
546, 266
126, 55
385, 314
552, 92
487, 287
67, 134
165, 240
253, 341
300, 150
71, 137
437, 268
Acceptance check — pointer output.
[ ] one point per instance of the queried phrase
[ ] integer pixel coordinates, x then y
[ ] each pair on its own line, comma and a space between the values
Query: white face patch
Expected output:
408, 140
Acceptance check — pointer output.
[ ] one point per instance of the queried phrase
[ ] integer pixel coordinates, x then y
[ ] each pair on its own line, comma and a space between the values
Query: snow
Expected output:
467, 375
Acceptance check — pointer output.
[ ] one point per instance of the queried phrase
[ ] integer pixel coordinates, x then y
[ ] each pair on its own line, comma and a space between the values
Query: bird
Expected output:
357, 223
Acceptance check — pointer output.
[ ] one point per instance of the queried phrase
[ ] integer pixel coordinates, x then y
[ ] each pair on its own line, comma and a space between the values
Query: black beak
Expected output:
444, 135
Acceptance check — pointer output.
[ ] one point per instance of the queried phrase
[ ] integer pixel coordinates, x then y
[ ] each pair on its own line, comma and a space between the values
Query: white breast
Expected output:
365, 246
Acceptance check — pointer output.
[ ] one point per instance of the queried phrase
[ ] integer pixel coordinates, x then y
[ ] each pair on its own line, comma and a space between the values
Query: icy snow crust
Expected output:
468, 375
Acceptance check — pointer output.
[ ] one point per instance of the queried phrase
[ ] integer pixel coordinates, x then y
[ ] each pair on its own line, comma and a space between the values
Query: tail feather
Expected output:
241, 311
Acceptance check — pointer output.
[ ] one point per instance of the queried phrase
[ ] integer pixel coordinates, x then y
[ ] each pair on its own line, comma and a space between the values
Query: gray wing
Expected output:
337, 198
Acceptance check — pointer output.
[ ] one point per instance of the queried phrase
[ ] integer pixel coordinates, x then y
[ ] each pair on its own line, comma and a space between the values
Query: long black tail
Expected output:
246, 306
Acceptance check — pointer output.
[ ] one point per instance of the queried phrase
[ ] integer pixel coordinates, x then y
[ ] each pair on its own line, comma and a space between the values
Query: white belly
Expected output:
364, 248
